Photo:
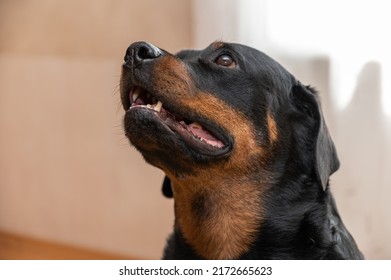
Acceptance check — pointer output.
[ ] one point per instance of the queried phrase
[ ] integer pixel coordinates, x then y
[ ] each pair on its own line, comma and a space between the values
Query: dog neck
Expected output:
213, 220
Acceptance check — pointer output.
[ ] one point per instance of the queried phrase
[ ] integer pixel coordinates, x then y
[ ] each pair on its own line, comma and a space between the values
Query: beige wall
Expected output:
67, 173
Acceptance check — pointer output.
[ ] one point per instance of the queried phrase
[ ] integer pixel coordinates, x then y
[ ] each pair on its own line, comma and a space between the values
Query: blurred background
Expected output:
69, 181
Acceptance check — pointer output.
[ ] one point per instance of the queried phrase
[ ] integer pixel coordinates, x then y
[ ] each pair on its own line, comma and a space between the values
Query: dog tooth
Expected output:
158, 106
135, 95
195, 125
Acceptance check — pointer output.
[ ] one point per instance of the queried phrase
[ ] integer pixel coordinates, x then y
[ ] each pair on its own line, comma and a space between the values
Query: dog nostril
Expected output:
140, 51
146, 51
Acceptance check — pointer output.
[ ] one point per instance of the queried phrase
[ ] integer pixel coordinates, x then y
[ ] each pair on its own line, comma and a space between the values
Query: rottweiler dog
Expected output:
245, 149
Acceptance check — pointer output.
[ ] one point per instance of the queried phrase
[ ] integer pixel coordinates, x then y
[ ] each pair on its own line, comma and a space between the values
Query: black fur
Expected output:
301, 220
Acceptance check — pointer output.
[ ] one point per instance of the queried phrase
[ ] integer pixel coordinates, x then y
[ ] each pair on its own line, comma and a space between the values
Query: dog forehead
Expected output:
233, 48
250, 59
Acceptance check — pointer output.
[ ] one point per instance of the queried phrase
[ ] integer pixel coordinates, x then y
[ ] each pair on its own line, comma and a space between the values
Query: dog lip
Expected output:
179, 129
197, 143
204, 137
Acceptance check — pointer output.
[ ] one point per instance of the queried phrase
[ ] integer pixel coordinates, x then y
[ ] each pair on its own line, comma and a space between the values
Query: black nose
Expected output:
140, 51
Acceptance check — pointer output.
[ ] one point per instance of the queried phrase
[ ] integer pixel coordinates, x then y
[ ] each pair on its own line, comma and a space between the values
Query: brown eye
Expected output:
225, 60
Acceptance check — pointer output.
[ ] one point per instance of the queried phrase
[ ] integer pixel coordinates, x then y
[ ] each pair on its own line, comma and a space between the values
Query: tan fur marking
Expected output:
272, 127
234, 219
217, 45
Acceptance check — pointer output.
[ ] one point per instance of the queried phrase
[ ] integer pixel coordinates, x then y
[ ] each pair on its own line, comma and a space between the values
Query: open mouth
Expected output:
193, 133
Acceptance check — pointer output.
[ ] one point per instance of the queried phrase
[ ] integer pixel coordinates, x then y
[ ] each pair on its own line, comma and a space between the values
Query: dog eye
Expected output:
225, 60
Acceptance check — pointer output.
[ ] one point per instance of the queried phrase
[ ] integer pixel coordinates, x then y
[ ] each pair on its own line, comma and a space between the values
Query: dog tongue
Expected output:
198, 130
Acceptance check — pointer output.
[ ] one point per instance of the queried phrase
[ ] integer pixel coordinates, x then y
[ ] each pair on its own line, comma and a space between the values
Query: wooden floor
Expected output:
14, 247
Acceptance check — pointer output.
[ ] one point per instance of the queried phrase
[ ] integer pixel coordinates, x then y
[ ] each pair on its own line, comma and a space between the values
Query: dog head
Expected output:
225, 111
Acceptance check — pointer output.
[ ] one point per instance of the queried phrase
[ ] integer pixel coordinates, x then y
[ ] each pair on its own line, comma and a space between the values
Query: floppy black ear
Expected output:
166, 188
325, 154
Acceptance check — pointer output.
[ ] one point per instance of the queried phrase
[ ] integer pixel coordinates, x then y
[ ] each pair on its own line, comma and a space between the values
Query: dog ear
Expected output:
166, 188
325, 154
